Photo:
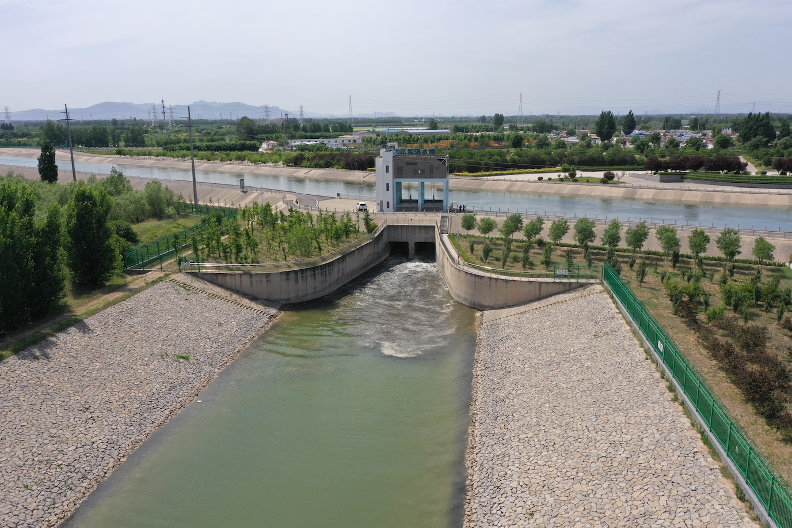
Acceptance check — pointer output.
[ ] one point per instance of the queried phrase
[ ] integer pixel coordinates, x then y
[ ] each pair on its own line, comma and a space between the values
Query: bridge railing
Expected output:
734, 442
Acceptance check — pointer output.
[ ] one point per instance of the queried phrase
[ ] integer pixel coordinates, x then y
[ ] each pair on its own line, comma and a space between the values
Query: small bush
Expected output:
486, 251
716, 313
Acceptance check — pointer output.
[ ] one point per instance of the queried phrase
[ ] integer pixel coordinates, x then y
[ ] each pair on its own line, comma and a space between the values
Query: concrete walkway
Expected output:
572, 426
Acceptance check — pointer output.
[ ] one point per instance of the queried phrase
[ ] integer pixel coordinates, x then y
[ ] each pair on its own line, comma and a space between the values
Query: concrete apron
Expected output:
471, 287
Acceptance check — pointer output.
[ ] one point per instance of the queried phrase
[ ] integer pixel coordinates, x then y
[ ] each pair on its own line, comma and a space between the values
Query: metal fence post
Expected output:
770, 500
728, 438
748, 464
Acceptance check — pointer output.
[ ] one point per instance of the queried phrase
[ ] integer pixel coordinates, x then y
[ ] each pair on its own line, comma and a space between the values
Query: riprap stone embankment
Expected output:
572, 426
73, 407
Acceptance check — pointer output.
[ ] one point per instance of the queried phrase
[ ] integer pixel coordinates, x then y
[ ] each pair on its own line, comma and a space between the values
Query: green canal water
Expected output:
351, 411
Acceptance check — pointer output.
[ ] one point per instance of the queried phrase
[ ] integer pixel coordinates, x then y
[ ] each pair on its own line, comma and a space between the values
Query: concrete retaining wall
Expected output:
304, 284
471, 287
487, 291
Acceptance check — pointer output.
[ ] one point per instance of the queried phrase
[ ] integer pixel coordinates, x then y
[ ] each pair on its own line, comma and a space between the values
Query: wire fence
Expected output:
144, 254
773, 494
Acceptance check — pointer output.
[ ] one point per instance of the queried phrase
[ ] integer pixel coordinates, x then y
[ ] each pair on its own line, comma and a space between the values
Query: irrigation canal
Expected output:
706, 214
337, 416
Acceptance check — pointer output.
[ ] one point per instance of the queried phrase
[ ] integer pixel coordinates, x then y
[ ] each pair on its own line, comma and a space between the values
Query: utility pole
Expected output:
192, 161
164, 123
71, 148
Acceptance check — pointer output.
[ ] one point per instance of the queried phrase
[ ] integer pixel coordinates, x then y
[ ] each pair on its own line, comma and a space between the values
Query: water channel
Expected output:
337, 416
743, 217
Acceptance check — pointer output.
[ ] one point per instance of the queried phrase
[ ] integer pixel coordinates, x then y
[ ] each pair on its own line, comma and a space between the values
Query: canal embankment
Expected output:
571, 425
723, 196
77, 404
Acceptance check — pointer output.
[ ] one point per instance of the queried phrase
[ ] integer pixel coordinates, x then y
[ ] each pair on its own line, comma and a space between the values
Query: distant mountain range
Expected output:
198, 110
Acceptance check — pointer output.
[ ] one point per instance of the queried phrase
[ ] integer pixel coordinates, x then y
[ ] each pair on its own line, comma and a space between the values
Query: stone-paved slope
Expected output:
73, 407
573, 426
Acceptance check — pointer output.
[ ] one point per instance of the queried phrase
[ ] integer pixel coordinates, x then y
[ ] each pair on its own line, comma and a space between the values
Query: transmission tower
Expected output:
520, 112
717, 104
753, 109
7, 114
266, 114
170, 116
350, 110
302, 120
153, 115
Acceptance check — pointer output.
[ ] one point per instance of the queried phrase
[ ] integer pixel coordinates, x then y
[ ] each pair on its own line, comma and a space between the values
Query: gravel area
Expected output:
73, 407
573, 426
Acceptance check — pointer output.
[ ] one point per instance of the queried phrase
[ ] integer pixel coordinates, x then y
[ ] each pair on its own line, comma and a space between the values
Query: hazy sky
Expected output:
444, 57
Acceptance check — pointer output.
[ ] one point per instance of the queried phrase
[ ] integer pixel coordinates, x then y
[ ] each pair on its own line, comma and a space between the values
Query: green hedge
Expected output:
738, 178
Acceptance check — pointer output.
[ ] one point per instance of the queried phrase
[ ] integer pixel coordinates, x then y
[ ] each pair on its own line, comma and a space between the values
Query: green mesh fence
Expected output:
733, 439
144, 254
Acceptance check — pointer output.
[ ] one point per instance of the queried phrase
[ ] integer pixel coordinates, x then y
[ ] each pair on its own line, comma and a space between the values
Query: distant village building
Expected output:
268, 146
396, 166
339, 142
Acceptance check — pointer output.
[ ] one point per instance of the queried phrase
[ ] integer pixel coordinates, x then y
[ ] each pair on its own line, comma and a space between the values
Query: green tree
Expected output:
757, 126
497, 120
698, 240
640, 271
486, 251
671, 144
611, 237
728, 243
605, 126
636, 236
31, 264
511, 225
432, 124
722, 141
654, 138
558, 229
763, 250
89, 252
584, 232
486, 225
135, 137
47, 169
668, 238
515, 140
696, 143
469, 221
533, 228
628, 124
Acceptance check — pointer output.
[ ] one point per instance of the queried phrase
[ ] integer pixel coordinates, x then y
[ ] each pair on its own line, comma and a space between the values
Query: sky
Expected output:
436, 57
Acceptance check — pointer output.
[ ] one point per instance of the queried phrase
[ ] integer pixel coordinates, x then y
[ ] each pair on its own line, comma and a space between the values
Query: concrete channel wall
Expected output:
471, 287
488, 291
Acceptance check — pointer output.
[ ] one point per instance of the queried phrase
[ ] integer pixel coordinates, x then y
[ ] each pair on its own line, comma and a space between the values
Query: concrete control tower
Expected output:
396, 166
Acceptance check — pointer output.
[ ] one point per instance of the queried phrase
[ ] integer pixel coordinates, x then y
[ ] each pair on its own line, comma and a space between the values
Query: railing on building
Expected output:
735, 442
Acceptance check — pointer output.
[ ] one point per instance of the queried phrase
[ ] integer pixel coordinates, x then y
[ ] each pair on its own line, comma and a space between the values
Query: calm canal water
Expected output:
351, 411
742, 217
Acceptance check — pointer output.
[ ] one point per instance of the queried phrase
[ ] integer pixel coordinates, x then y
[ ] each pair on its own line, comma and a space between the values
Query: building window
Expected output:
387, 169
387, 186
388, 205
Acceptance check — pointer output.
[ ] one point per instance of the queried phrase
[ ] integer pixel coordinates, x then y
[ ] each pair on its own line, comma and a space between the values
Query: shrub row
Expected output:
728, 178
694, 163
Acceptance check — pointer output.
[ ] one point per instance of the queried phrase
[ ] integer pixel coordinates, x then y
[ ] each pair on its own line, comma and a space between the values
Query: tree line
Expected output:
82, 227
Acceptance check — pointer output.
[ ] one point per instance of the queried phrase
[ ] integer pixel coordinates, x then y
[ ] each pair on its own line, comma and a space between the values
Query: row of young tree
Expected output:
260, 234
728, 241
